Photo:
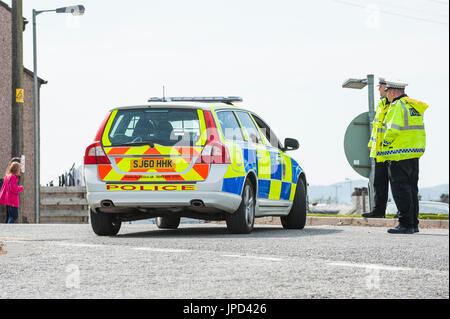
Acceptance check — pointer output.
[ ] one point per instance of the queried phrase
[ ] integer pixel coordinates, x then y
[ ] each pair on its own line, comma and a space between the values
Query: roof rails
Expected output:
227, 100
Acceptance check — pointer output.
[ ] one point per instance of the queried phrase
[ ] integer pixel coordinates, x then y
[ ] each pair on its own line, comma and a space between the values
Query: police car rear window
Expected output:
167, 127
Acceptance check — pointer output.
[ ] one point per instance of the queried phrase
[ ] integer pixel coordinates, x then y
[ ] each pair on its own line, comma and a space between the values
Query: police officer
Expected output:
381, 180
402, 145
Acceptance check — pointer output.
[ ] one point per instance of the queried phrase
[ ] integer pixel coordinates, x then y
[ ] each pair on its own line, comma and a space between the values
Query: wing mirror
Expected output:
290, 144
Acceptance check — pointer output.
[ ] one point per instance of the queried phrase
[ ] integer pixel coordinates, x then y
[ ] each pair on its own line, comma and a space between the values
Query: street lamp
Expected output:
355, 84
75, 10
348, 180
360, 84
337, 186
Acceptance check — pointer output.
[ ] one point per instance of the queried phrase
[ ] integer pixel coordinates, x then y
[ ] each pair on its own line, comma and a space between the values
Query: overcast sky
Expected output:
287, 59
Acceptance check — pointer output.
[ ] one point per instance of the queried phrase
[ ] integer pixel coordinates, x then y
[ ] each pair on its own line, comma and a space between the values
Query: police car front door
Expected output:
280, 170
256, 146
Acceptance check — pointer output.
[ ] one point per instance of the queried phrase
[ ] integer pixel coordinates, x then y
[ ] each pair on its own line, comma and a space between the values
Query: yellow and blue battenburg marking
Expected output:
277, 174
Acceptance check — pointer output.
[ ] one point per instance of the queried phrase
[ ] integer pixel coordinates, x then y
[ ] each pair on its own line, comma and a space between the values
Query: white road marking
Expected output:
254, 257
81, 245
370, 266
11, 239
163, 250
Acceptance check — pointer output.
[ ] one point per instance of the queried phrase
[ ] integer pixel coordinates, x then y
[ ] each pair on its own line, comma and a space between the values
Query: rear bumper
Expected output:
213, 201
208, 191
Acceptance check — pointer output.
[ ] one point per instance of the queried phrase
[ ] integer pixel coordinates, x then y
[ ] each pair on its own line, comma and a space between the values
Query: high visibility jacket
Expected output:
378, 128
404, 134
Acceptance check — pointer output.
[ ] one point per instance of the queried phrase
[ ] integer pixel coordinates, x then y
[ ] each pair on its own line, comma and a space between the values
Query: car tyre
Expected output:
243, 220
104, 224
297, 216
168, 222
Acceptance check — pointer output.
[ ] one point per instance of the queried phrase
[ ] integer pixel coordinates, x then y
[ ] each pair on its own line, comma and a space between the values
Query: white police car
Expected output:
200, 158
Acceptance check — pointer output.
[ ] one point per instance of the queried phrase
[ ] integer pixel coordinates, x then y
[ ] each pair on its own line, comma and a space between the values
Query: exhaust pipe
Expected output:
197, 203
107, 203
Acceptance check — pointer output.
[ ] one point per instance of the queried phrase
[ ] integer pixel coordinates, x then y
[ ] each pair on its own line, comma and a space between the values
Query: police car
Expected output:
200, 157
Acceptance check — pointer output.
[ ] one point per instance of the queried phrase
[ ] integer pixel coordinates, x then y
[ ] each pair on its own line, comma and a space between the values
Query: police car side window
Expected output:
229, 126
269, 134
249, 127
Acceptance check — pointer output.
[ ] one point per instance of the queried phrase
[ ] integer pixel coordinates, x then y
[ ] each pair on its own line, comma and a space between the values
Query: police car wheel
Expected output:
168, 222
105, 224
297, 216
242, 220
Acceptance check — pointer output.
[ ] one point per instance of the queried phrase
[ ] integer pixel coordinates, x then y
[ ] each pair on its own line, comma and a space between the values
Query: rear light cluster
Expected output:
214, 152
95, 154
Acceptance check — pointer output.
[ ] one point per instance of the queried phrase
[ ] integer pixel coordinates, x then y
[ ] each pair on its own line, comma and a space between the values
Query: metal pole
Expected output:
370, 84
17, 80
17, 90
36, 125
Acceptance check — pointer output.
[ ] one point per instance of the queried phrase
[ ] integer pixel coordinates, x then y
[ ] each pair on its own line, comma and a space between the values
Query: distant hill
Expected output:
433, 193
343, 190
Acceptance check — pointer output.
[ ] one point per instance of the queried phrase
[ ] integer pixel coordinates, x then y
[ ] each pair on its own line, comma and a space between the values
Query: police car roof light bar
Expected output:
227, 100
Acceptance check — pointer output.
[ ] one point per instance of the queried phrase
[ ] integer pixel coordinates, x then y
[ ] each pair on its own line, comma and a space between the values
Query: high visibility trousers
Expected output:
380, 188
404, 178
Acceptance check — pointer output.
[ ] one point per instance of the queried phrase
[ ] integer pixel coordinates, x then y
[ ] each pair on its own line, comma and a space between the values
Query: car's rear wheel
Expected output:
105, 224
297, 216
168, 222
242, 220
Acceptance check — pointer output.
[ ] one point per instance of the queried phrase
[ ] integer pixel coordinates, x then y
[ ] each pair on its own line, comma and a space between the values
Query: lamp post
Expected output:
336, 187
360, 84
348, 180
75, 10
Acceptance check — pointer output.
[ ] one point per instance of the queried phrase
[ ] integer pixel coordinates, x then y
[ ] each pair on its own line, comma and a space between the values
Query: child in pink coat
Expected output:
9, 194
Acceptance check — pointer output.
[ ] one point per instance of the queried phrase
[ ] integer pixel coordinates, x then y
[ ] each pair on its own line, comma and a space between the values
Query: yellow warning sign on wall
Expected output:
19, 95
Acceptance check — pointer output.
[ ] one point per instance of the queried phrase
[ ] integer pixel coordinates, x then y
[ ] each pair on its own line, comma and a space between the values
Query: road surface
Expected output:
203, 261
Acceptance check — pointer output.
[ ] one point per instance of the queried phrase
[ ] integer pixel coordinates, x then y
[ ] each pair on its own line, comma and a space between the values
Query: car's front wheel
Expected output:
297, 216
242, 220
104, 224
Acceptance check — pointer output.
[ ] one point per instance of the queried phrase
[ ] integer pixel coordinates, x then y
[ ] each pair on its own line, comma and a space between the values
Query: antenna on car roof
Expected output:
164, 94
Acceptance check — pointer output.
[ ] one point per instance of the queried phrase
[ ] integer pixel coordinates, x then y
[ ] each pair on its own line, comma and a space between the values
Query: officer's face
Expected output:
381, 88
391, 94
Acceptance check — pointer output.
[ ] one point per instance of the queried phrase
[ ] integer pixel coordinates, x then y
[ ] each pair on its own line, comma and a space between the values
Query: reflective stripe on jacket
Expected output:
378, 127
404, 137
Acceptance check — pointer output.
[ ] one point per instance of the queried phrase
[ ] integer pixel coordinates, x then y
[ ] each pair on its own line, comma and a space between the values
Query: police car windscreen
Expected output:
167, 127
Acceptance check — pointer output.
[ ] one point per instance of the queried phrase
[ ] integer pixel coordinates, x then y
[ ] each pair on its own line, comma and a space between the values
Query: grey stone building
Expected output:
27, 200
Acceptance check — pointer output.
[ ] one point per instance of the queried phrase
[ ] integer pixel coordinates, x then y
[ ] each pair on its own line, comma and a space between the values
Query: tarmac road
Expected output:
203, 261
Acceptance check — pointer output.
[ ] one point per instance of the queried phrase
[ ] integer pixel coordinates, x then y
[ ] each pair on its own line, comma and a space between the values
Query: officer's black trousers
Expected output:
404, 178
381, 188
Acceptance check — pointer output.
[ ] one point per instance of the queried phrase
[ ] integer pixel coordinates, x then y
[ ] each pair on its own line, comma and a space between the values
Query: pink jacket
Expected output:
9, 194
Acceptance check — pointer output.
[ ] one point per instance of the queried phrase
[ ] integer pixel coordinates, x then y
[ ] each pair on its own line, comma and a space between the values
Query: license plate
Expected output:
152, 163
